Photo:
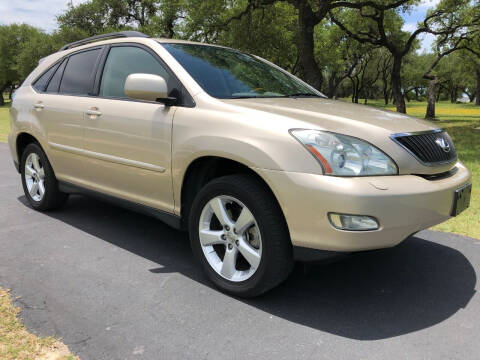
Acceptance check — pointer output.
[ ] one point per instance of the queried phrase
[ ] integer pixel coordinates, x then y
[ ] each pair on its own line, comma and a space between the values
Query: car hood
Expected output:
334, 115
368, 123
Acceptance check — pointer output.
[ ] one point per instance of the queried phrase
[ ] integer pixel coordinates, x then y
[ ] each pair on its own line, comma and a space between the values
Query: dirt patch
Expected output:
16, 343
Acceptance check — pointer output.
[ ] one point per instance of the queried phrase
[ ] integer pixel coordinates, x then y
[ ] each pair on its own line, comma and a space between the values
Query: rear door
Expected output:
128, 142
60, 106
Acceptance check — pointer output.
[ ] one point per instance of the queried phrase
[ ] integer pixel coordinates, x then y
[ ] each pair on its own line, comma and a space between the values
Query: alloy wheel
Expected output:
230, 238
35, 177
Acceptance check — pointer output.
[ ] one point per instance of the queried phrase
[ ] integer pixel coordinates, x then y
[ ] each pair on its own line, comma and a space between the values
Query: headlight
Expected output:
343, 155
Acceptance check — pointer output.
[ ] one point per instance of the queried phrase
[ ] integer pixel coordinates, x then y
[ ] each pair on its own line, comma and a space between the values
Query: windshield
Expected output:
230, 74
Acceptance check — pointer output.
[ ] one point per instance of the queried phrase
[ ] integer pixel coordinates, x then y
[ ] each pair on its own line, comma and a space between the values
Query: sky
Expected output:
42, 14
39, 13
418, 14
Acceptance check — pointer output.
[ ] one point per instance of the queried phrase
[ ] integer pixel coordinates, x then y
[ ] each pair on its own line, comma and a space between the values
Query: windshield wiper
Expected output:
272, 96
253, 97
301, 94
240, 97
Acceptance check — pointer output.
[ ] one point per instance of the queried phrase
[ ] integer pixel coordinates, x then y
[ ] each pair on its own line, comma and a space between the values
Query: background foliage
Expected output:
352, 48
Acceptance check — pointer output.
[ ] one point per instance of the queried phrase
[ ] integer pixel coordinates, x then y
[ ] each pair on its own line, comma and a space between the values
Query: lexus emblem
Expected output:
443, 144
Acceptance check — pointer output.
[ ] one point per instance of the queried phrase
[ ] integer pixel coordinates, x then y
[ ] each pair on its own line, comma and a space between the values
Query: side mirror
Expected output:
148, 87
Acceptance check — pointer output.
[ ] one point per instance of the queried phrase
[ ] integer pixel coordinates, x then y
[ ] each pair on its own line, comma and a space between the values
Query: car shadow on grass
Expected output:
368, 296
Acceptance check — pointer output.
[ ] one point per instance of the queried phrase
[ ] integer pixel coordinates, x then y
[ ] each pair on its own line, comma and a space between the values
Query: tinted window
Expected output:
55, 81
41, 83
227, 73
123, 61
78, 73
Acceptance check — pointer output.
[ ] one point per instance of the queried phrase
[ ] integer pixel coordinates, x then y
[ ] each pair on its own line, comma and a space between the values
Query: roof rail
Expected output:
121, 34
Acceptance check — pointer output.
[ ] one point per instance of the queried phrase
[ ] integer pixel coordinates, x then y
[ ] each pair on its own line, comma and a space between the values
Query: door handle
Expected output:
39, 106
93, 112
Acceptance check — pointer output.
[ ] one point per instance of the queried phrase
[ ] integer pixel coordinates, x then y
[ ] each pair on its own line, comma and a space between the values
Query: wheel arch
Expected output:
204, 169
21, 142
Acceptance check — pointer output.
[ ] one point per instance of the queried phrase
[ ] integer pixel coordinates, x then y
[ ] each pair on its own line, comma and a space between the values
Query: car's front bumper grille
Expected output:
429, 147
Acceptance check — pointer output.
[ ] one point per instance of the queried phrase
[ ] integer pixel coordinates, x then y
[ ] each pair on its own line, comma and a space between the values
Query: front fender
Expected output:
256, 143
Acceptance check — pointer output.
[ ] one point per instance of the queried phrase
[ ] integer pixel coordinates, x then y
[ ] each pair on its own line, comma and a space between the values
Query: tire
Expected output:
40, 173
266, 242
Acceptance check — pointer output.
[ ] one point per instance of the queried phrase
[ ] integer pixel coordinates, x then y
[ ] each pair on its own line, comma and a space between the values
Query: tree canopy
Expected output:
348, 48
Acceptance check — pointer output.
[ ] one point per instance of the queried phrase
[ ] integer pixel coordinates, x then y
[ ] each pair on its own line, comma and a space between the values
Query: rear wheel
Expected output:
238, 233
38, 179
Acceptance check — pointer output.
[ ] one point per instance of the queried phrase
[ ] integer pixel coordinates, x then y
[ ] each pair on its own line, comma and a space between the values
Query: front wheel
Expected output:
238, 233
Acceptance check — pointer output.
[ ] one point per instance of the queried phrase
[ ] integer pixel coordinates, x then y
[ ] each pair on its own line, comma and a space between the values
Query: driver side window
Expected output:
123, 61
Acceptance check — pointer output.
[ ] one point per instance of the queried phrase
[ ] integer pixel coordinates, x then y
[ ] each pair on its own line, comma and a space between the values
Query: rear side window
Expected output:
42, 82
54, 83
78, 74
123, 61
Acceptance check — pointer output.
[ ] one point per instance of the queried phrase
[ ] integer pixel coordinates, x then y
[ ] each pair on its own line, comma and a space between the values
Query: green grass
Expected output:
462, 122
4, 122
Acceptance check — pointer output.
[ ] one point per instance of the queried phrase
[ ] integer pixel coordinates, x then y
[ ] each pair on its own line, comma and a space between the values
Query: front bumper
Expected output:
403, 204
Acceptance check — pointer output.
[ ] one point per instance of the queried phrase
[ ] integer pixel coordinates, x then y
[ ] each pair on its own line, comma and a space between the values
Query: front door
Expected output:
128, 142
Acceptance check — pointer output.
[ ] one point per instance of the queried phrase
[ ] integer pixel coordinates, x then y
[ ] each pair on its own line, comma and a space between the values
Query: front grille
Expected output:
431, 148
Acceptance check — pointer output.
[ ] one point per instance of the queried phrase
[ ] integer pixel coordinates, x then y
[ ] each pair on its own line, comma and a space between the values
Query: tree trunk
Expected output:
397, 85
477, 102
357, 89
353, 89
386, 97
309, 70
2, 100
170, 32
453, 95
431, 99
332, 87
416, 94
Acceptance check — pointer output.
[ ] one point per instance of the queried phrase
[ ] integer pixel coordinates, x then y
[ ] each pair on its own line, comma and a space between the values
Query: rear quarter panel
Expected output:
24, 120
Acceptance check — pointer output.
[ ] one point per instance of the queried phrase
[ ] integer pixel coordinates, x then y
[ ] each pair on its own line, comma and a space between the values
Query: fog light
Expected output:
353, 222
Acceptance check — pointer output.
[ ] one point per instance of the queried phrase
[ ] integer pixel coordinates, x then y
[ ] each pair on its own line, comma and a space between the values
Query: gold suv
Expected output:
251, 160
